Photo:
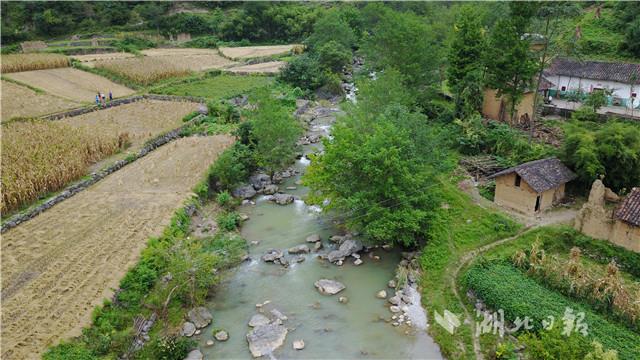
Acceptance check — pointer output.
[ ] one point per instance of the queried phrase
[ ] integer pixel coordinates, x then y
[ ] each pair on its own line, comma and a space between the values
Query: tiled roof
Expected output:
541, 175
629, 209
596, 70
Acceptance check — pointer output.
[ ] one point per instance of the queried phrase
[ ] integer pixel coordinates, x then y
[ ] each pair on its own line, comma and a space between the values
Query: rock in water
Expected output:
317, 246
300, 249
347, 248
298, 344
270, 189
278, 315
329, 287
200, 317
244, 192
258, 320
272, 255
313, 238
194, 355
221, 335
259, 181
282, 199
381, 294
188, 329
343, 300
264, 339
210, 343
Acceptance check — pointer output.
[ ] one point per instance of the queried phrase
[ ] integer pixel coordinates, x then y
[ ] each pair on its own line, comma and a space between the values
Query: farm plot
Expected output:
20, 101
26, 62
247, 52
271, 67
70, 83
215, 87
90, 59
58, 266
192, 59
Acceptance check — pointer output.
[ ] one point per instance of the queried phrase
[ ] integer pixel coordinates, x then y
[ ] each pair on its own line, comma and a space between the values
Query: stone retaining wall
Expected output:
73, 189
566, 113
123, 101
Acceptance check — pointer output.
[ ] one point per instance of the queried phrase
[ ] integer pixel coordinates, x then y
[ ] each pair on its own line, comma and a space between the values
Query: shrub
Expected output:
224, 199
170, 348
304, 72
133, 44
190, 116
228, 221
233, 166
334, 56
501, 286
548, 345
204, 42
69, 351
225, 112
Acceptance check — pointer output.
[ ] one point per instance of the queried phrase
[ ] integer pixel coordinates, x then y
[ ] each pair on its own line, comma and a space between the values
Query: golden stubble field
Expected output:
69, 83
271, 67
247, 52
20, 101
58, 266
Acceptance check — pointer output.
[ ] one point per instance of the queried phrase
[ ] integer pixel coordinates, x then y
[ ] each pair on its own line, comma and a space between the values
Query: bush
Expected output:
190, 116
304, 72
225, 112
548, 345
69, 351
204, 42
170, 348
584, 113
228, 221
334, 56
501, 286
224, 199
233, 166
133, 44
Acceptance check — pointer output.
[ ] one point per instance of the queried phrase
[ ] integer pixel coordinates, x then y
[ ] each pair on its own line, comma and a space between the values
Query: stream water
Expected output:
359, 329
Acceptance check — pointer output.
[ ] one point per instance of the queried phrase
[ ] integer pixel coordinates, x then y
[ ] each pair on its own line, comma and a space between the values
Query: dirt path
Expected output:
57, 267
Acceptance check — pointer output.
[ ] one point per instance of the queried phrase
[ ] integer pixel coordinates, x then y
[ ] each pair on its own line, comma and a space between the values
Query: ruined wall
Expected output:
595, 219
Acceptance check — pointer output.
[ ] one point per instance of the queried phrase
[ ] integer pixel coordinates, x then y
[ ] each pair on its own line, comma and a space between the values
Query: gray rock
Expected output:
394, 309
313, 238
300, 249
194, 355
357, 262
188, 329
382, 294
392, 284
258, 320
272, 255
278, 315
347, 248
244, 192
343, 299
200, 317
329, 287
282, 199
270, 189
298, 344
336, 238
210, 343
221, 335
298, 259
317, 246
259, 181
395, 300
264, 339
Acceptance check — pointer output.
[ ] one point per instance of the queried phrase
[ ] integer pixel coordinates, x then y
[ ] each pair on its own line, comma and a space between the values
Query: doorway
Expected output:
537, 204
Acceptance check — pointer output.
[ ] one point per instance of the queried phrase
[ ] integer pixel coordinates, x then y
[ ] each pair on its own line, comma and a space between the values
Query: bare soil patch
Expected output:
72, 84
247, 52
20, 101
271, 67
57, 267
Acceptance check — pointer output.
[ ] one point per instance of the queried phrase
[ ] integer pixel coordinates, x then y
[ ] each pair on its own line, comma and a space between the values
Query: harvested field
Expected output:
271, 67
247, 52
20, 101
70, 83
179, 51
141, 120
89, 59
27, 62
58, 266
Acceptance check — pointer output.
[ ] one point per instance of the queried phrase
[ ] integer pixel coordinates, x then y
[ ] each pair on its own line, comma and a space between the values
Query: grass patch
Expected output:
216, 87
501, 286
457, 228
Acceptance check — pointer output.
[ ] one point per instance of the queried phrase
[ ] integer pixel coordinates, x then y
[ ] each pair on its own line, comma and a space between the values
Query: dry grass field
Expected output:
247, 52
271, 67
20, 101
70, 83
27, 62
42, 156
179, 51
141, 120
144, 70
58, 266
90, 59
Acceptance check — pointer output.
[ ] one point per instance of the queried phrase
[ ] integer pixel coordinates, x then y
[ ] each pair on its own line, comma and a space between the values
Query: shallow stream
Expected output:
358, 329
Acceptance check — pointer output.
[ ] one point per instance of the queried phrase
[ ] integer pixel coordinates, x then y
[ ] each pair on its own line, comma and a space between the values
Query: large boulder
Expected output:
270, 189
221, 335
282, 199
264, 339
272, 255
258, 320
329, 287
194, 355
188, 329
300, 249
259, 181
200, 317
313, 238
347, 248
244, 192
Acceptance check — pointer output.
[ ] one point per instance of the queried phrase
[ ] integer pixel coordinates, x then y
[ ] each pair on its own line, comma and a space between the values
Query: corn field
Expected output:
143, 70
41, 156
26, 62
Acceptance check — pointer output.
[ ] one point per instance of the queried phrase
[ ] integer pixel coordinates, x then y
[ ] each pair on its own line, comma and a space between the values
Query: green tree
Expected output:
596, 99
304, 71
276, 131
464, 73
334, 56
331, 27
510, 65
404, 42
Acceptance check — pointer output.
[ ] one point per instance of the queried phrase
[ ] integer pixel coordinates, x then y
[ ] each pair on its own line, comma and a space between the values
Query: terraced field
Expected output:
20, 101
247, 52
72, 84
271, 67
58, 266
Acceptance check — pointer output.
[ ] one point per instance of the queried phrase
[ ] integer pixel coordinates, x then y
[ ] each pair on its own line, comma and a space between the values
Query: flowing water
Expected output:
358, 329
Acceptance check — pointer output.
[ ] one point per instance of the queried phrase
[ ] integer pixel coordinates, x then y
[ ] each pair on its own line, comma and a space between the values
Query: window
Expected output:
564, 88
518, 179
633, 95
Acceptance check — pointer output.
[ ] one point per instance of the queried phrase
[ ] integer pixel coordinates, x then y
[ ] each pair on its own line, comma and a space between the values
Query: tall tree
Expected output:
510, 65
464, 73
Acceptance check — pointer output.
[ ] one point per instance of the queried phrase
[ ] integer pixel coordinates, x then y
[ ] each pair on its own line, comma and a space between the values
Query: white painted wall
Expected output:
620, 90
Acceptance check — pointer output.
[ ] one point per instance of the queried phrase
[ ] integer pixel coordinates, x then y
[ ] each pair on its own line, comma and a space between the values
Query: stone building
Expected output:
532, 187
600, 218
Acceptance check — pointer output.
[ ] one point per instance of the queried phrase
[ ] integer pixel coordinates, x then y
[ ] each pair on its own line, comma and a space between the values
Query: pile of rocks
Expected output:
197, 319
262, 183
268, 331
347, 246
309, 139
405, 305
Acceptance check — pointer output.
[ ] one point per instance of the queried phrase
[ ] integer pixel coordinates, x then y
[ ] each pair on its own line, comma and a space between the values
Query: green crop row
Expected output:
501, 286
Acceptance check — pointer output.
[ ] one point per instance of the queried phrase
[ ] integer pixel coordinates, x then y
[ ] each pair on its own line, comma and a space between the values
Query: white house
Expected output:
622, 79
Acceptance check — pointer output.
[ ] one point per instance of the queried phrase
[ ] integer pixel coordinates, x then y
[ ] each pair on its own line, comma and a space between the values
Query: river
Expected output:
358, 329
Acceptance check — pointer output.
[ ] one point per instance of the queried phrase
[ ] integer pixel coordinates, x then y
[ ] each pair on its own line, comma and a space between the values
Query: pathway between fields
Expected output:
58, 266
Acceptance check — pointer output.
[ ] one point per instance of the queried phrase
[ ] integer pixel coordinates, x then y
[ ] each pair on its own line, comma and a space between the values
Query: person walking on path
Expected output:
104, 100
98, 99
110, 96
